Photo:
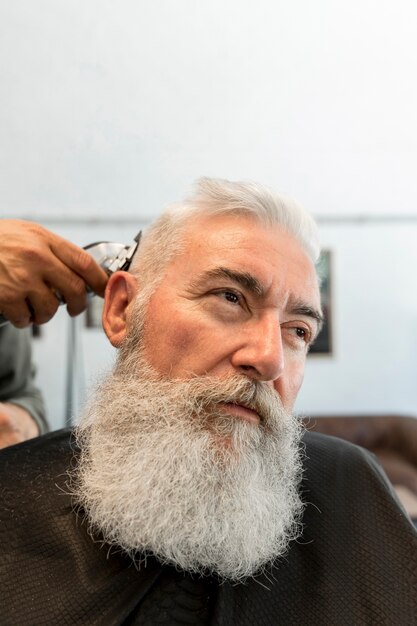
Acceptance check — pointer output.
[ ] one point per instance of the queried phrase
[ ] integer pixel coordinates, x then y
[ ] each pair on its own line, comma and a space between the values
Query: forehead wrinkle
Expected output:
245, 279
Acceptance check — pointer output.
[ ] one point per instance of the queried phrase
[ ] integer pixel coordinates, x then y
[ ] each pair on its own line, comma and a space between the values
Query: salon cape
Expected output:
356, 562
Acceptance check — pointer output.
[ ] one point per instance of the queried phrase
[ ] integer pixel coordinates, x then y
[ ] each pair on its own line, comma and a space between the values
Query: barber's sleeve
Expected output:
17, 373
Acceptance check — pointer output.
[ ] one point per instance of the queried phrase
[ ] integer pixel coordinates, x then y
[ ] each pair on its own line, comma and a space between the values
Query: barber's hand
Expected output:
35, 264
16, 425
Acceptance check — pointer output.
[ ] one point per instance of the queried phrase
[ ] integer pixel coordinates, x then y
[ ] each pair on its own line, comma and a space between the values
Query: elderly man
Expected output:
190, 494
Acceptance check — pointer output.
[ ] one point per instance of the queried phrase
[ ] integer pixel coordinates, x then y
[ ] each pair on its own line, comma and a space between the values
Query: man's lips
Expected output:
241, 411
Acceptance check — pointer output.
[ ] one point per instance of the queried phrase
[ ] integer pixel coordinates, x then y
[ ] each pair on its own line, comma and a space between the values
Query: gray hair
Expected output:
165, 237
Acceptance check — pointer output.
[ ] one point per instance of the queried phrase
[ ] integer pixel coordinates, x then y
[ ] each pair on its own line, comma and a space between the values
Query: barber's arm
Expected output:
22, 410
35, 265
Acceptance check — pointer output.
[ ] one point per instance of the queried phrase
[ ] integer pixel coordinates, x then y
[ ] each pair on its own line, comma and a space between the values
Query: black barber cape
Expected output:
356, 562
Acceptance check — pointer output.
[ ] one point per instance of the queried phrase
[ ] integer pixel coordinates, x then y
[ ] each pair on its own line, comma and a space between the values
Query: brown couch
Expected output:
392, 438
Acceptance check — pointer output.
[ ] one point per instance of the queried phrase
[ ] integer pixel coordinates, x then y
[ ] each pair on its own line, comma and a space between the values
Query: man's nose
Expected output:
260, 355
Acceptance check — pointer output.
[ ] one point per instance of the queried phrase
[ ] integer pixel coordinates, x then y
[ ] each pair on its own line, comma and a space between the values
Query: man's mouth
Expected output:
240, 410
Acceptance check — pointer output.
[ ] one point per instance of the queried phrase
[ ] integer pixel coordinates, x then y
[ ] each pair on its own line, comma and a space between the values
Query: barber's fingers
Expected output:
37, 306
17, 311
81, 263
40, 304
36, 264
30, 253
68, 272
43, 305
27, 296
68, 284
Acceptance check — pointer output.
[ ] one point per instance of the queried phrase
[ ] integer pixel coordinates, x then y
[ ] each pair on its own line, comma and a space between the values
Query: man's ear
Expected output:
120, 291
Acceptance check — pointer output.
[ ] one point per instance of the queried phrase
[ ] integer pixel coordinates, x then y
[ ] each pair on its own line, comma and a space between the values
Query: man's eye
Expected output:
230, 297
303, 334
232, 303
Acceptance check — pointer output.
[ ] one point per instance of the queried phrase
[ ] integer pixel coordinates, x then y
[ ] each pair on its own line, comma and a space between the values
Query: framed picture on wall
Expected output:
323, 343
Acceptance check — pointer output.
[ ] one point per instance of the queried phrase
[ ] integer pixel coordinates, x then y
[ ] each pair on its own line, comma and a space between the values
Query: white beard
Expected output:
163, 472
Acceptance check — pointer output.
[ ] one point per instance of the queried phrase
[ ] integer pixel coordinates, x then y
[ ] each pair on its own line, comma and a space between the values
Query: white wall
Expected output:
115, 107
109, 110
374, 364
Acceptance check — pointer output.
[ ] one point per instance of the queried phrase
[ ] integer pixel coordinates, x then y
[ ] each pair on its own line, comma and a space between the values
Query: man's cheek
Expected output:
181, 340
296, 382
168, 346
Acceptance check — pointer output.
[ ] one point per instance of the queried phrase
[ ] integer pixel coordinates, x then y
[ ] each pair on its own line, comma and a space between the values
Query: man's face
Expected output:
240, 299
229, 324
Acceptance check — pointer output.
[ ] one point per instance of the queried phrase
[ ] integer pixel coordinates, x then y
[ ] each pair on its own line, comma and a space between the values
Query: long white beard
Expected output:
163, 472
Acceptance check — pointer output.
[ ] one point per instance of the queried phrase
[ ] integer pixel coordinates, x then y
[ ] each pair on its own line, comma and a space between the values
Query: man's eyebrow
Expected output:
302, 309
246, 280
